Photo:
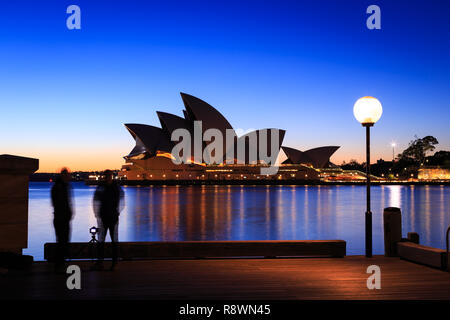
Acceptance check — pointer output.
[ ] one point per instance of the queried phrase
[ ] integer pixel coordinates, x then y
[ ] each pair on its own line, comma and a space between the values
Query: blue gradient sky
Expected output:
296, 65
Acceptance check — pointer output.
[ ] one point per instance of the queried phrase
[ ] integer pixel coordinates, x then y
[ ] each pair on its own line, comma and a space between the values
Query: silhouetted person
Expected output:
62, 203
108, 201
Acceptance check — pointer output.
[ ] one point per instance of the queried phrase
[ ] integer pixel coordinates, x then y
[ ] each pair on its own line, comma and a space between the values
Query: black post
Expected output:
368, 212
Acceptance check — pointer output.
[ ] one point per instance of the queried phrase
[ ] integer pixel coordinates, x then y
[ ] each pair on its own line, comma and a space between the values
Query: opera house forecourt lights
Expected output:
202, 145
367, 111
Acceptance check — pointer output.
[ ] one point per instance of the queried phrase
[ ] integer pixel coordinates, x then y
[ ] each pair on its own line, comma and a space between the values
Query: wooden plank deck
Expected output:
307, 278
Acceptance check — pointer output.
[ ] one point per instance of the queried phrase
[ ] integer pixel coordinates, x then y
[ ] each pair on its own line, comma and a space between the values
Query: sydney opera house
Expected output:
152, 157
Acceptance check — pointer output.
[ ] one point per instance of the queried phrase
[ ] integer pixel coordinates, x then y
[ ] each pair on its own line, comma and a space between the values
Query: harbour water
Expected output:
165, 213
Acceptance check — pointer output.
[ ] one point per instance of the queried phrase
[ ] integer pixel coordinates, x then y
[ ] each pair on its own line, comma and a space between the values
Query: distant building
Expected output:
433, 173
152, 158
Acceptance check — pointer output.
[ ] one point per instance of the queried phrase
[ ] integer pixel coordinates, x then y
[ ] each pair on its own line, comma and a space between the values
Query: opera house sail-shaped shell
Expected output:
321, 155
170, 123
317, 157
199, 110
149, 139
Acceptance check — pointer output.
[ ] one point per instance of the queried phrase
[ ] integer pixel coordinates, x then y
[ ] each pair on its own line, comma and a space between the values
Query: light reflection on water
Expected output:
250, 213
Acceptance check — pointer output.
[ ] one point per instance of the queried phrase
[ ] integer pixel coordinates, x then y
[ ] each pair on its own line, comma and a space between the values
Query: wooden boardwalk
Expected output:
308, 278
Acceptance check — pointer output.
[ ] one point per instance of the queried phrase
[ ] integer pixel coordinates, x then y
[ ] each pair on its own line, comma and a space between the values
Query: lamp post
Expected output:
367, 111
393, 151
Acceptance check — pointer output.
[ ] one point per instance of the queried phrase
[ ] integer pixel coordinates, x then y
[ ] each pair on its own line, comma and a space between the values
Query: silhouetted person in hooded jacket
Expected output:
62, 203
108, 201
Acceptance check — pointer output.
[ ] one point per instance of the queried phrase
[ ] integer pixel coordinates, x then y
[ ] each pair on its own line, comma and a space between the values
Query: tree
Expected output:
352, 165
418, 148
411, 159
440, 158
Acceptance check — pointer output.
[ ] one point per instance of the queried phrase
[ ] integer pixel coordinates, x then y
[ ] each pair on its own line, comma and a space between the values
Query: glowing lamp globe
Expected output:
367, 110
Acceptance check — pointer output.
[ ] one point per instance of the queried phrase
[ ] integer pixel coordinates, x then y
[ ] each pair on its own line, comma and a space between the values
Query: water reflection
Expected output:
395, 196
251, 213
428, 213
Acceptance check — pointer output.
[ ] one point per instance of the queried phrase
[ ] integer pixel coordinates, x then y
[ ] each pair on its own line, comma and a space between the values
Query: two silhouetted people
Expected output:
62, 203
108, 201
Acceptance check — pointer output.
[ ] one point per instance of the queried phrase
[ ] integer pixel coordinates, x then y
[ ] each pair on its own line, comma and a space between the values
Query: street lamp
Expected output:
367, 111
393, 149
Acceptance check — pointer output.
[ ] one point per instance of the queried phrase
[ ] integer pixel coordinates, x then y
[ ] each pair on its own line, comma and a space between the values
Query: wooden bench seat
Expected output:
422, 254
203, 249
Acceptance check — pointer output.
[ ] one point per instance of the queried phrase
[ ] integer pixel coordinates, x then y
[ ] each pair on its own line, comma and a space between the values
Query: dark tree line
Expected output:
408, 162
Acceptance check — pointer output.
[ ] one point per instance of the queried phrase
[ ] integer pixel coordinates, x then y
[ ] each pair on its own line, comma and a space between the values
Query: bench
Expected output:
422, 254
204, 249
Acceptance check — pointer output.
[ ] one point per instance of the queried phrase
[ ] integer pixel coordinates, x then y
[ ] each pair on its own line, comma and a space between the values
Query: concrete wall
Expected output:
14, 177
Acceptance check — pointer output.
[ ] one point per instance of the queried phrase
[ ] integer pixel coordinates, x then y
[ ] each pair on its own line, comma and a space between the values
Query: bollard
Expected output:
392, 220
413, 237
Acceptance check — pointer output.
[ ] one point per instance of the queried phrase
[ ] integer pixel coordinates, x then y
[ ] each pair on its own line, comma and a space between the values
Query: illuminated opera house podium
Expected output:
14, 178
